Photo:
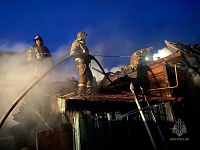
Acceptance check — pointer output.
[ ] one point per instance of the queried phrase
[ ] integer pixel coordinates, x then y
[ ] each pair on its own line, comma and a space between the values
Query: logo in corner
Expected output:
179, 127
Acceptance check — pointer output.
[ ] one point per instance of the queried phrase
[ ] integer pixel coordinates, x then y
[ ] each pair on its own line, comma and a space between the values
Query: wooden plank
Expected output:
60, 139
158, 78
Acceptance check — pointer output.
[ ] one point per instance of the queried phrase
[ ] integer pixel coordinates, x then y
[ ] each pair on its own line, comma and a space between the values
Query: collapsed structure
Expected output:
110, 118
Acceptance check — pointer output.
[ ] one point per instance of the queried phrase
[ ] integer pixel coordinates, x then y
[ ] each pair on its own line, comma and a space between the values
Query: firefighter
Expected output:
40, 58
138, 57
82, 59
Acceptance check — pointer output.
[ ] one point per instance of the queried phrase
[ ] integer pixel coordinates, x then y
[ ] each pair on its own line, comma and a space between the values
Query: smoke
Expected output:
117, 68
17, 47
15, 75
161, 53
97, 49
66, 69
100, 50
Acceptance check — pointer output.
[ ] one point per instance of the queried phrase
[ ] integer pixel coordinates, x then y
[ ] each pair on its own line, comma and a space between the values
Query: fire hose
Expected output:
106, 75
17, 100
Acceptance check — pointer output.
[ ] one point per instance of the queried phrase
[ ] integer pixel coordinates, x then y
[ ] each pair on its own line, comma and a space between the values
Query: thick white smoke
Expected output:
16, 75
161, 53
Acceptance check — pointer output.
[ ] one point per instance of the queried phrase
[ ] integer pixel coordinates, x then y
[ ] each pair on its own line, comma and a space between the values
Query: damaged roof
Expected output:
164, 77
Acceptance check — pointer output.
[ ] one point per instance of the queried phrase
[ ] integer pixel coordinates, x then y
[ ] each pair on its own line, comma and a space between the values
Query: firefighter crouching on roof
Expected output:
82, 60
138, 57
40, 58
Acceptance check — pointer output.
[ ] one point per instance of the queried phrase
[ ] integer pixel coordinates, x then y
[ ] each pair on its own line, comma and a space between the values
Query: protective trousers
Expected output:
85, 77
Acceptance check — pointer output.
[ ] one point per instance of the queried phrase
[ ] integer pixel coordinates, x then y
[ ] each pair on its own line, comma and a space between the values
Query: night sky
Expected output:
114, 27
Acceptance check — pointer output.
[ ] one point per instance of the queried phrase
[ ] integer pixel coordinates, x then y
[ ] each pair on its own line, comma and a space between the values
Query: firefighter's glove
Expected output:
79, 55
91, 57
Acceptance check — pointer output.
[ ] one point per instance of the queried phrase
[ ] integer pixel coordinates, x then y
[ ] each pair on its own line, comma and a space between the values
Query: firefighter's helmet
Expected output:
148, 48
82, 35
37, 37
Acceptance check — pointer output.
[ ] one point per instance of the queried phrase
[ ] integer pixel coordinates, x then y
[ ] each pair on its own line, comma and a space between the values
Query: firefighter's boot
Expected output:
81, 90
89, 91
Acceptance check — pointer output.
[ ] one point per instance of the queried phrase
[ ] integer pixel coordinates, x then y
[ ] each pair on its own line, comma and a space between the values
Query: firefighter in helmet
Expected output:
40, 58
138, 57
82, 59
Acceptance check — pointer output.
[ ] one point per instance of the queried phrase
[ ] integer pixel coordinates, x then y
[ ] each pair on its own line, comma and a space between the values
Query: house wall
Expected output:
105, 126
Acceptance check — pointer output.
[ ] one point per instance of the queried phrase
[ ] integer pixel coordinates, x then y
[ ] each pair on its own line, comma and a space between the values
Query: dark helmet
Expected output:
37, 37
82, 34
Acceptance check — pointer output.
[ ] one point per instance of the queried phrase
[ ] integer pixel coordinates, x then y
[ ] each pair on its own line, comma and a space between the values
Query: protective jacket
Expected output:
40, 59
41, 53
80, 51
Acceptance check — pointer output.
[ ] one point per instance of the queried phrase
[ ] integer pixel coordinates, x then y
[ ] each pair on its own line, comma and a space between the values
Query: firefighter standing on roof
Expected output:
40, 58
82, 60
138, 57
